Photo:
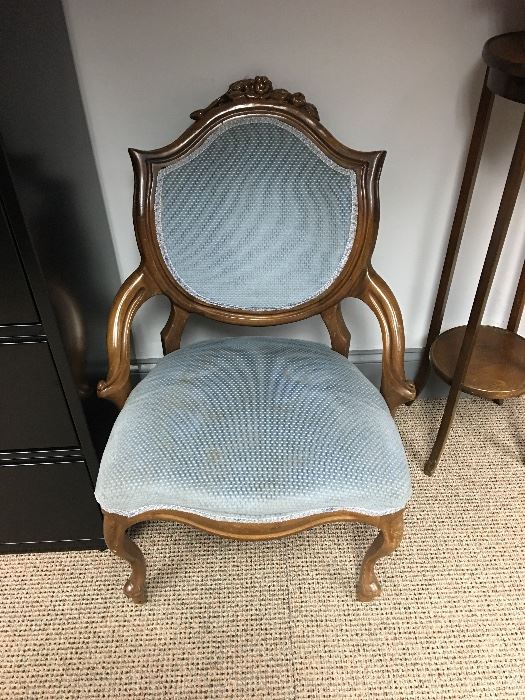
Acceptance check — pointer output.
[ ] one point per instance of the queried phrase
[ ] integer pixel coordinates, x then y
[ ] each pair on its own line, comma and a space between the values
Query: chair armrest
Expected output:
133, 293
378, 296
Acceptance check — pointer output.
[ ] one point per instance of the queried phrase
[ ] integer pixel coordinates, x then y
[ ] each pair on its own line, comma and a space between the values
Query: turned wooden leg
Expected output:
120, 544
388, 539
456, 233
499, 233
518, 305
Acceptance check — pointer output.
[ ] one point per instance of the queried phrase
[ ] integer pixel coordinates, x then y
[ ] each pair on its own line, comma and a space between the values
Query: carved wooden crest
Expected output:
259, 88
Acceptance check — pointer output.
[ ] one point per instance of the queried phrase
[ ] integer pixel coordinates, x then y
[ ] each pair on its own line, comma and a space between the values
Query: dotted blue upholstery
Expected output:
254, 430
257, 217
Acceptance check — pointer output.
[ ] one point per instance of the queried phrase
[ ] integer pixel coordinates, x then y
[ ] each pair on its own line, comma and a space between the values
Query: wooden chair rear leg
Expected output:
388, 540
120, 544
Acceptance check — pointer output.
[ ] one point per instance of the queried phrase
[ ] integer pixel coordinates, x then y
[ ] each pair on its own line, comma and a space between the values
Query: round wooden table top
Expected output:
497, 366
505, 57
506, 52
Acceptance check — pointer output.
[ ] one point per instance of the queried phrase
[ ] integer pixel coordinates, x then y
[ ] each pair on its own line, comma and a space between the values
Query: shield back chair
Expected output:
255, 216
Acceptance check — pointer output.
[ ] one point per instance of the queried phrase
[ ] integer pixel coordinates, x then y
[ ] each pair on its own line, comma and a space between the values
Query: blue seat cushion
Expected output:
254, 430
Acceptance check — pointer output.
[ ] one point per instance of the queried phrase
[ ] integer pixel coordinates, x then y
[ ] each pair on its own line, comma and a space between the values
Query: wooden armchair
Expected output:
255, 216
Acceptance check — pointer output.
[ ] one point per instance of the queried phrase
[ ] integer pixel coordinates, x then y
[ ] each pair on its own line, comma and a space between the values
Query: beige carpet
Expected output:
279, 620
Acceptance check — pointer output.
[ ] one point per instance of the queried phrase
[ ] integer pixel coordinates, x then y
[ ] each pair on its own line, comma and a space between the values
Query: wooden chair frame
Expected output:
357, 279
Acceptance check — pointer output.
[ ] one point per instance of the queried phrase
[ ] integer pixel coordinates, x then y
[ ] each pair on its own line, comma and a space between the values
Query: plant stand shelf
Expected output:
482, 360
496, 369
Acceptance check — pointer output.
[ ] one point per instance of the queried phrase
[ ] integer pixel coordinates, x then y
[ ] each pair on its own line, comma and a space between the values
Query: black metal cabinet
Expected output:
32, 403
47, 460
58, 277
16, 301
47, 504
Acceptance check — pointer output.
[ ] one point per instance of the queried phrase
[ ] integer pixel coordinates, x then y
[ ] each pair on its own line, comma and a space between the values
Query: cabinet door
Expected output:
33, 409
16, 301
47, 503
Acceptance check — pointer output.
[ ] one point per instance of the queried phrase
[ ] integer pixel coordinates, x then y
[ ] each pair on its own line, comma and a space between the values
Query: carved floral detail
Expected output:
259, 87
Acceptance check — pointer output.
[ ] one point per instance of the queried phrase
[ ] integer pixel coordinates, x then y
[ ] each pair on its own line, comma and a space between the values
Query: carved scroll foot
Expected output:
388, 540
397, 393
135, 590
120, 544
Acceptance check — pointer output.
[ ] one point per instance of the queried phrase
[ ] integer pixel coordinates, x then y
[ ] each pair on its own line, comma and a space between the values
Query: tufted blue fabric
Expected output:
254, 430
257, 217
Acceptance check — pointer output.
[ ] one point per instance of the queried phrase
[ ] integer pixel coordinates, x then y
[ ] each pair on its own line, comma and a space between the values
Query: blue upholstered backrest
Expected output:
257, 217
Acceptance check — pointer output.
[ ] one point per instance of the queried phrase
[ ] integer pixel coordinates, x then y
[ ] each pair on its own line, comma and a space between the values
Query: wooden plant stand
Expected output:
482, 360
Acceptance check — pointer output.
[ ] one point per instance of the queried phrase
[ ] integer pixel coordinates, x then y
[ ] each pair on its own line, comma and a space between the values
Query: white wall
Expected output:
403, 75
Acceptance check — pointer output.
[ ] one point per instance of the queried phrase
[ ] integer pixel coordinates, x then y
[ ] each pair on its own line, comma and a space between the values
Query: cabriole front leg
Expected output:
387, 541
120, 544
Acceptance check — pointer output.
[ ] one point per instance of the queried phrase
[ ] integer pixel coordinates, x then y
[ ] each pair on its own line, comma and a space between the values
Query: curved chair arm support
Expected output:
378, 296
133, 293
172, 332
337, 329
